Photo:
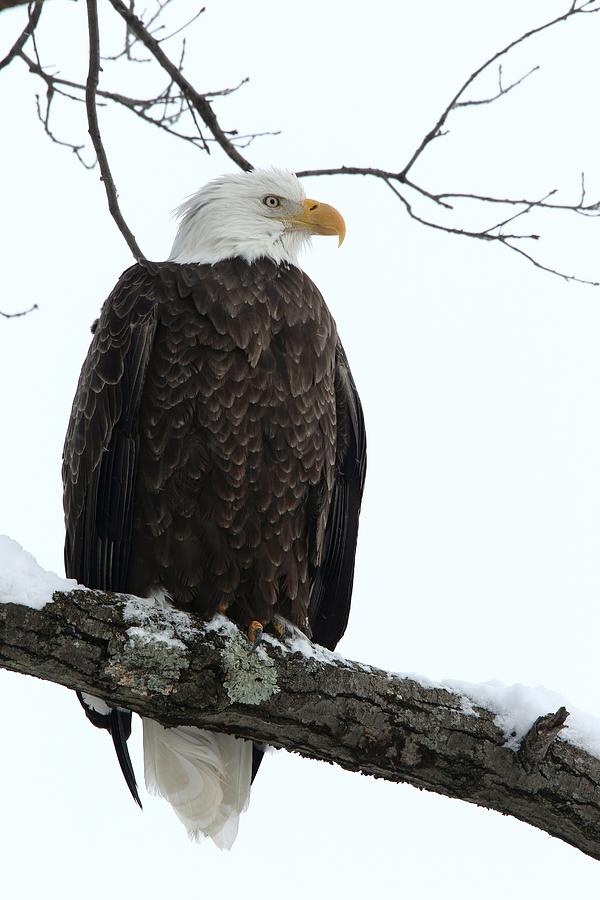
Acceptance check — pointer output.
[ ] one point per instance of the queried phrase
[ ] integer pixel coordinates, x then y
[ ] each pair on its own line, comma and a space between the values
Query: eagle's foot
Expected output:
255, 633
280, 627
286, 630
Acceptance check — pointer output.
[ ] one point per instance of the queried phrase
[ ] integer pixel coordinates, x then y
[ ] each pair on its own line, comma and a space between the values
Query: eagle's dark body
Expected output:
216, 446
215, 453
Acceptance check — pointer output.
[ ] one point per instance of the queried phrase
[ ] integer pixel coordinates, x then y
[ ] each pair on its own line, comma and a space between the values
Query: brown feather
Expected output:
206, 444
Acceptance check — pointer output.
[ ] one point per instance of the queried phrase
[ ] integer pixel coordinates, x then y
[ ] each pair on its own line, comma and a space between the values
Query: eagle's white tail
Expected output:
204, 776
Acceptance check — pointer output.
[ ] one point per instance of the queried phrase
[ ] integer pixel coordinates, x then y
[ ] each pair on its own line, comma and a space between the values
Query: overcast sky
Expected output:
479, 552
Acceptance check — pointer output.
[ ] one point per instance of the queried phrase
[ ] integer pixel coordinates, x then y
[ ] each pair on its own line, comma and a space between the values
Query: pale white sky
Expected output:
479, 554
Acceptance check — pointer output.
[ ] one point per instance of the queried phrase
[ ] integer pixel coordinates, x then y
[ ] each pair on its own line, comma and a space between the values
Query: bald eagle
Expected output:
215, 457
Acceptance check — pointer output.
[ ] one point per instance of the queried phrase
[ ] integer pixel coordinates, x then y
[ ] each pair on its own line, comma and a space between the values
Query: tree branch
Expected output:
573, 10
17, 315
9, 4
197, 100
179, 97
398, 181
35, 12
164, 664
94, 131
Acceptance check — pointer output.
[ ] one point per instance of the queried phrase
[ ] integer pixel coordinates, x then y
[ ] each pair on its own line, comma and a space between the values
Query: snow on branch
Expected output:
167, 665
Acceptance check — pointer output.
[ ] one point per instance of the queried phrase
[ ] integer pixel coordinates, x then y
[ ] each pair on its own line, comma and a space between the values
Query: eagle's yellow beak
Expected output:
319, 218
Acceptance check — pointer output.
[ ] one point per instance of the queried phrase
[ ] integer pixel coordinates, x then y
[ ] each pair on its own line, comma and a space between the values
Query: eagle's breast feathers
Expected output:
237, 430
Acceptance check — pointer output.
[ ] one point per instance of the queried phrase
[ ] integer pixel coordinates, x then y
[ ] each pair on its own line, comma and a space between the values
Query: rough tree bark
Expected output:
166, 665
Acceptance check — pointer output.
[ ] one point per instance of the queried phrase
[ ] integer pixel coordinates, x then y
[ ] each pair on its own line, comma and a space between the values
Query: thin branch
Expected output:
141, 107
436, 198
94, 131
552, 271
9, 4
485, 235
197, 100
52, 89
17, 315
505, 239
581, 208
398, 179
350, 170
35, 12
502, 91
169, 666
522, 212
44, 117
160, 7
167, 108
131, 40
434, 132
227, 91
182, 27
479, 235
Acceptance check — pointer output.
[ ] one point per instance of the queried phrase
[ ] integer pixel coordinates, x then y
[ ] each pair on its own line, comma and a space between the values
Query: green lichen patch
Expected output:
251, 678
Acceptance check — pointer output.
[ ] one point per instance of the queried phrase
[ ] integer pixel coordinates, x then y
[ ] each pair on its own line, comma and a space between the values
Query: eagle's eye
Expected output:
272, 202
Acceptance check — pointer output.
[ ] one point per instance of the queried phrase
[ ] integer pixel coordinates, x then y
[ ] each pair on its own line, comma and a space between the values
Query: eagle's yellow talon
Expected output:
255, 631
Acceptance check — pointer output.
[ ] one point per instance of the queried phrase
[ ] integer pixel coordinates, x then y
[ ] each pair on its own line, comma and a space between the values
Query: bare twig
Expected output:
130, 39
507, 240
94, 131
581, 208
182, 27
502, 91
480, 235
52, 89
522, 212
172, 107
552, 271
44, 117
197, 100
17, 315
227, 91
179, 98
399, 180
35, 12
434, 132
9, 4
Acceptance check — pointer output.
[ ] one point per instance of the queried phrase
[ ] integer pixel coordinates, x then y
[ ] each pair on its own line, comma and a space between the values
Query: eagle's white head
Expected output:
263, 213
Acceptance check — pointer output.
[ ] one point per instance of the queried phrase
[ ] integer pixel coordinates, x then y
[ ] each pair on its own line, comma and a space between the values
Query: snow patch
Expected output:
297, 642
22, 579
220, 624
300, 644
155, 619
517, 706
96, 703
422, 680
165, 636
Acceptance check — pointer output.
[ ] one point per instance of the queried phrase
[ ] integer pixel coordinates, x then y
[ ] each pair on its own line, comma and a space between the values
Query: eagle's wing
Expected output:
100, 459
331, 588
